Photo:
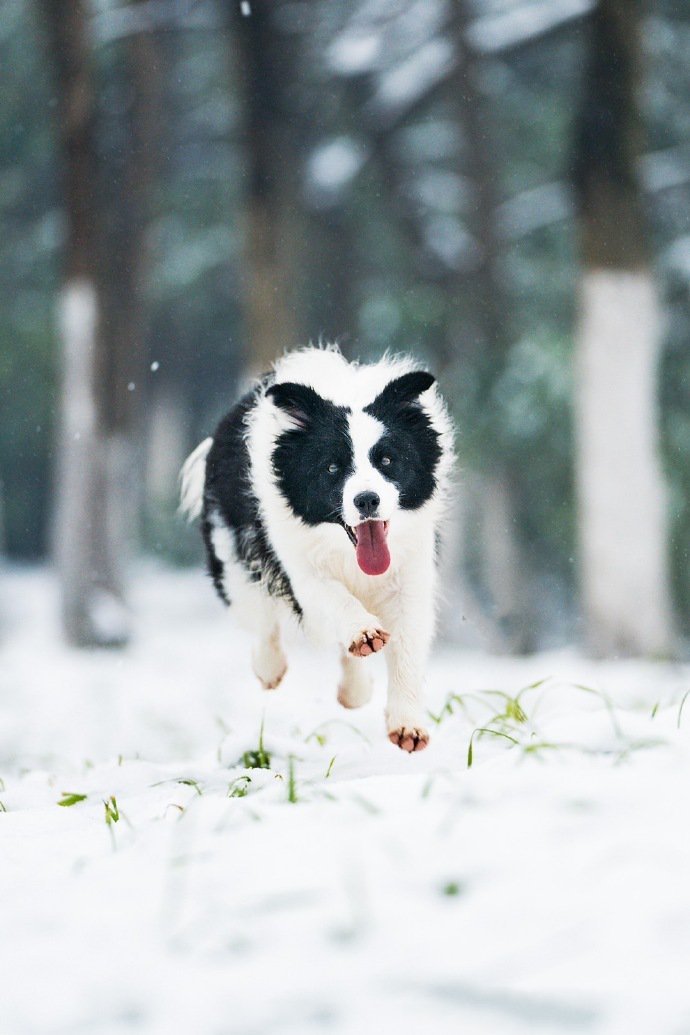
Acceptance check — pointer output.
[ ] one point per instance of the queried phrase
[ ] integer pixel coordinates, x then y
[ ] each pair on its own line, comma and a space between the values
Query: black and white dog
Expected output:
321, 495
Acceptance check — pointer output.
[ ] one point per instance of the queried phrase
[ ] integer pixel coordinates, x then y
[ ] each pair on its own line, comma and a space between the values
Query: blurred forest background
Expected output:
501, 187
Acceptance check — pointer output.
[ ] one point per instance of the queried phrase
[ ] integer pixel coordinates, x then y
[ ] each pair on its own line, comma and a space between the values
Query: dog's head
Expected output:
357, 467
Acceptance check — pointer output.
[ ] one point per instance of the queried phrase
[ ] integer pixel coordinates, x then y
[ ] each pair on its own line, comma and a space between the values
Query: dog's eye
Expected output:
385, 460
332, 468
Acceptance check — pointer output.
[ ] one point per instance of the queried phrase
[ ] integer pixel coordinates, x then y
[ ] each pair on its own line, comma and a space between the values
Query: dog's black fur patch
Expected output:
229, 501
409, 441
213, 565
313, 459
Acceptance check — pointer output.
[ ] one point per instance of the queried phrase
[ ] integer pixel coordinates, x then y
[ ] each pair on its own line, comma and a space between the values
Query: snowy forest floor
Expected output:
349, 888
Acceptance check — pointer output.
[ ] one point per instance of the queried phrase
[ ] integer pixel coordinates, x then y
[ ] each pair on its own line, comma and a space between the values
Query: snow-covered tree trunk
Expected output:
77, 457
619, 476
620, 481
79, 325
94, 469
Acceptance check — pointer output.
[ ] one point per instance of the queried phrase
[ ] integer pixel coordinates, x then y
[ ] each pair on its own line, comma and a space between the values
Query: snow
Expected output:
379, 35
77, 318
355, 52
441, 190
331, 168
533, 209
401, 86
544, 889
447, 239
663, 170
109, 617
115, 23
677, 256
523, 23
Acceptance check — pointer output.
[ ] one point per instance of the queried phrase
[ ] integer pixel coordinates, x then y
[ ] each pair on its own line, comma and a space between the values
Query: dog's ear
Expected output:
299, 402
403, 390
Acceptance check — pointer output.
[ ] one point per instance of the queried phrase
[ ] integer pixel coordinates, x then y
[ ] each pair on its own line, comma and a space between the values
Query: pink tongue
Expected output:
372, 549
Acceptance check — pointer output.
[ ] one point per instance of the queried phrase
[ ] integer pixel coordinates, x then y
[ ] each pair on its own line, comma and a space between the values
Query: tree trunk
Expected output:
125, 263
332, 260
271, 231
488, 341
86, 615
3, 541
620, 484
101, 336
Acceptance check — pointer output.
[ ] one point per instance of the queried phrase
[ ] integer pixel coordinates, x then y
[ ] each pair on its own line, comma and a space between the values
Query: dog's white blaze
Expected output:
365, 431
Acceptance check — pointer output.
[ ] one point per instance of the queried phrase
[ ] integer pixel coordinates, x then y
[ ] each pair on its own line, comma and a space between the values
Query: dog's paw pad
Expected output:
409, 738
369, 641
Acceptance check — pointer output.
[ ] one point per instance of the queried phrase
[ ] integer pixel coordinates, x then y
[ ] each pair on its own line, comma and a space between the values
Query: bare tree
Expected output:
620, 483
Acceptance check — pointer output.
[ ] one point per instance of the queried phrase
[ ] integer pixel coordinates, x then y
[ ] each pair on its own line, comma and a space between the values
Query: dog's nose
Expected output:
367, 503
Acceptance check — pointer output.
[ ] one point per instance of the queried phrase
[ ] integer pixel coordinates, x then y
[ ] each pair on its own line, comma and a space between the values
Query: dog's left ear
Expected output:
299, 402
404, 390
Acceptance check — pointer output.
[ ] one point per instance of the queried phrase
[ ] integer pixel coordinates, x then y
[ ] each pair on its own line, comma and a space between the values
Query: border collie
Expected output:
321, 494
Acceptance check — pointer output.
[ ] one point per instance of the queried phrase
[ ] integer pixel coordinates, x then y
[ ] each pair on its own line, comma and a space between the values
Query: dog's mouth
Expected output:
370, 542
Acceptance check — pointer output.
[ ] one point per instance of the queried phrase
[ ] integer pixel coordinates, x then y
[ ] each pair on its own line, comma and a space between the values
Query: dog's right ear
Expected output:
299, 402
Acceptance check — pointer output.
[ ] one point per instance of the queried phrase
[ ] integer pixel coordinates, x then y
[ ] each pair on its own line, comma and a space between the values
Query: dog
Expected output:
321, 495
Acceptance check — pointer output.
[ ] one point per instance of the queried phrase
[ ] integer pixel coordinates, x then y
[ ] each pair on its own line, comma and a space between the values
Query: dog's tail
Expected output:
192, 480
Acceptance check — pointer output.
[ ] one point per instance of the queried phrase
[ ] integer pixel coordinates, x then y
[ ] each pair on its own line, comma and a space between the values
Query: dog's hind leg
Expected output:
268, 660
262, 618
259, 614
355, 687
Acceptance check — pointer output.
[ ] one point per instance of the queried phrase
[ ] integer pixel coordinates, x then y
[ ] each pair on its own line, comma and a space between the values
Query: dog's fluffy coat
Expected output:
320, 496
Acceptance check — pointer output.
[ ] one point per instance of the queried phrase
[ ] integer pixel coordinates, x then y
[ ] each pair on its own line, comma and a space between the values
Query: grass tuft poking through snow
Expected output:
481, 730
681, 706
70, 798
257, 758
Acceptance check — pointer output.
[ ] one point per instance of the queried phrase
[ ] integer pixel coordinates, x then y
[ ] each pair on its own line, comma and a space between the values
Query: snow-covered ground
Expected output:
546, 888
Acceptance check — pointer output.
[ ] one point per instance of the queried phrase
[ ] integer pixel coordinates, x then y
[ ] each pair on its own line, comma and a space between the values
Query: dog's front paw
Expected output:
409, 738
368, 641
